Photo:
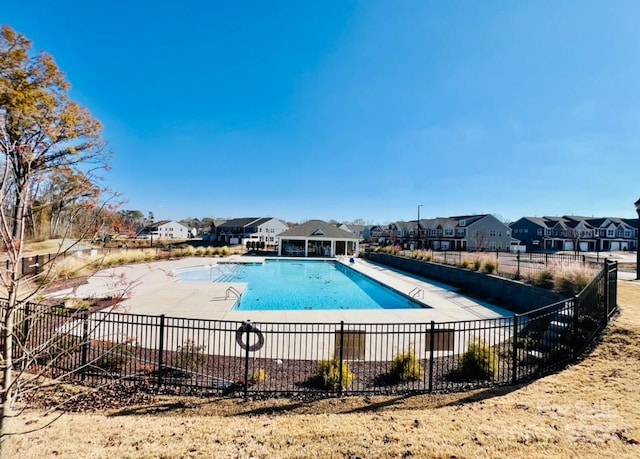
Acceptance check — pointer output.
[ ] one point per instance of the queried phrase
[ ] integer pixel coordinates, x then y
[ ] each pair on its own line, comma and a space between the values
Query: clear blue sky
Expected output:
356, 109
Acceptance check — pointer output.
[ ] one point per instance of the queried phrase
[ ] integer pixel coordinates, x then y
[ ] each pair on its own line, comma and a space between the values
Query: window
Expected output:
500, 233
492, 233
526, 230
539, 231
448, 232
611, 233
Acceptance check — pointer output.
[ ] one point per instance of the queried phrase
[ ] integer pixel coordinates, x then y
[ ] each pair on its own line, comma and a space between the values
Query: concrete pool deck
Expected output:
153, 289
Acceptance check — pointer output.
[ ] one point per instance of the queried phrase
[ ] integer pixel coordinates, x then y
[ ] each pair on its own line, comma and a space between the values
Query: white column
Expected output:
306, 248
333, 247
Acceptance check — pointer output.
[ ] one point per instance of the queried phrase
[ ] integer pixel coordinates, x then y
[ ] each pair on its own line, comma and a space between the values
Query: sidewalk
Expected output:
151, 288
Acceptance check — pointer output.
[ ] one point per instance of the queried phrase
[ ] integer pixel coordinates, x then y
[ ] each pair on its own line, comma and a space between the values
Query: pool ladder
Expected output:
232, 290
417, 292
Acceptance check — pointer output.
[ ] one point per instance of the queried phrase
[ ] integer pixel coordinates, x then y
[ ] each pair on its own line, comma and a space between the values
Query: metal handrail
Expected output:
233, 290
416, 292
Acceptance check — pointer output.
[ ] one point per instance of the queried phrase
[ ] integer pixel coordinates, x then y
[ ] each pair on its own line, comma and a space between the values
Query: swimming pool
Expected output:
301, 285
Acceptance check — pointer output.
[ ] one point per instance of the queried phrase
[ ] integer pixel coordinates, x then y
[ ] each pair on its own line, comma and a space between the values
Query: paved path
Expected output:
153, 289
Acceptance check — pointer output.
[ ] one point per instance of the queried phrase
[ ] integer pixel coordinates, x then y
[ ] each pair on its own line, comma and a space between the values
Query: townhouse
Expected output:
576, 233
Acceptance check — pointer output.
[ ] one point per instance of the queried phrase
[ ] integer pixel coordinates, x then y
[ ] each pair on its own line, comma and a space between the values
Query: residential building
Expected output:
165, 229
356, 230
265, 229
377, 234
575, 233
404, 234
466, 232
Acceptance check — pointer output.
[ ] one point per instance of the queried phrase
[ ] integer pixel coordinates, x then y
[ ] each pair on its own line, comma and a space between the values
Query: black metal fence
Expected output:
178, 355
526, 266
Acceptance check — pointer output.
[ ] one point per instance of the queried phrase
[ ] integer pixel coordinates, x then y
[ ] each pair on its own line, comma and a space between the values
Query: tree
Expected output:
44, 137
480, 239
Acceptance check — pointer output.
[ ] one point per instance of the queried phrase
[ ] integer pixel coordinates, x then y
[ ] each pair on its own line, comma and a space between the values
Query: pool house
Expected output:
317, 238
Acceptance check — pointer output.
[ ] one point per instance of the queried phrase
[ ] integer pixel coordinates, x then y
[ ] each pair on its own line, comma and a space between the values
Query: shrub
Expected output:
188, 251
77, 304
544, 279
224, 251
114, 358
190, 356
329, 372
489, 267
259, 376
476, 265
465, 264
572, 282
406, 367
479, 361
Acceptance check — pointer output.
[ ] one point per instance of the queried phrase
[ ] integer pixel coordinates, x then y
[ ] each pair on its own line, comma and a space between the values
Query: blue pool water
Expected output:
300, 285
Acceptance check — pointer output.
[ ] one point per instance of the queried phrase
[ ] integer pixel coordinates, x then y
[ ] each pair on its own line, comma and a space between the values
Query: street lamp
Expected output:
151, 229
637, 204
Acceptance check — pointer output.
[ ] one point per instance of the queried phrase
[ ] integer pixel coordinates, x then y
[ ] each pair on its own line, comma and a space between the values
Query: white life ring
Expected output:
244, 329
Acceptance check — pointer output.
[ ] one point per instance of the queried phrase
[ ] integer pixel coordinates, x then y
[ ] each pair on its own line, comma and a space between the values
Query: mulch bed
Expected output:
94, 304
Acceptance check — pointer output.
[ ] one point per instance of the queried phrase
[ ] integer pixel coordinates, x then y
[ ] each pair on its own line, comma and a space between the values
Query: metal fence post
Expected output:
518, 266
85, 344
160, 350
246, 361
341, 356
606, 291
431, 345
26, 324
514, 363
575, 327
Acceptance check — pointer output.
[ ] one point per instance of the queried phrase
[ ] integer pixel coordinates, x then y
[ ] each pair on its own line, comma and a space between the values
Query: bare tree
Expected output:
43, 137
480, 239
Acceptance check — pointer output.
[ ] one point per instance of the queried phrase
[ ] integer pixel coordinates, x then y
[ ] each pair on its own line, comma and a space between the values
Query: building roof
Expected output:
239, 222
317, 228
245, 221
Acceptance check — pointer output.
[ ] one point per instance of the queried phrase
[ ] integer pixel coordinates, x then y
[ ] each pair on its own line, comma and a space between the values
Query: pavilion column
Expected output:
280, 249
333, 247
357, 251
306, 248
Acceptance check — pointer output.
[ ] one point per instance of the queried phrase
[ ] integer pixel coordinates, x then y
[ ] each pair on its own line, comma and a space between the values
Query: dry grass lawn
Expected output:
589, 410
